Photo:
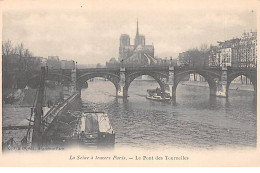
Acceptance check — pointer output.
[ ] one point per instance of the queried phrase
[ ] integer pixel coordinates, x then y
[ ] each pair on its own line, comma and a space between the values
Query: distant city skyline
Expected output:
90, 35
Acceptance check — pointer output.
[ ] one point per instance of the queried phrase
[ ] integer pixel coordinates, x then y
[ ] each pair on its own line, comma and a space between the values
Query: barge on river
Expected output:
93, 129
157, 95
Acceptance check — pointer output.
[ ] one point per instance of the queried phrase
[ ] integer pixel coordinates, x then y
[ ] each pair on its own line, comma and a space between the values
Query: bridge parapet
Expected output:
196, 68
242, 68
162, 68
91, 70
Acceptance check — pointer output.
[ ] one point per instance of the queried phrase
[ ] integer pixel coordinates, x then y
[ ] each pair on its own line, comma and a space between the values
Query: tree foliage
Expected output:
25, 56
7, 48
195, 57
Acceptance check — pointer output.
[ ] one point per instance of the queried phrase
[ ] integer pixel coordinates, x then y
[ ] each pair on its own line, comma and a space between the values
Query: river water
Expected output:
195, 120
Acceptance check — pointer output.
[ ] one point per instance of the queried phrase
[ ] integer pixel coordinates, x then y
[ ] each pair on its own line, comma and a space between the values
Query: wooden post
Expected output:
38, 113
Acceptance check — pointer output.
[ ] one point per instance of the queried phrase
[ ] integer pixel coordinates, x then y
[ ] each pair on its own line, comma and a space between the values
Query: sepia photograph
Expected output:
156, 81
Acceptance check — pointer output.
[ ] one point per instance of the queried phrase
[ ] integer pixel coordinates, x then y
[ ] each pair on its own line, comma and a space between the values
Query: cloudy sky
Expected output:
88, 31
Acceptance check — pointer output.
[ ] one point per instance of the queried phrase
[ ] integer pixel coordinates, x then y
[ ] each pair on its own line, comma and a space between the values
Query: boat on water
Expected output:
157, 95
94, 128
87, 130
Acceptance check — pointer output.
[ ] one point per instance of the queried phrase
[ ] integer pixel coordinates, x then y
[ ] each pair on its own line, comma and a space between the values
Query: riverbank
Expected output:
233, 86
25, 97
18, 115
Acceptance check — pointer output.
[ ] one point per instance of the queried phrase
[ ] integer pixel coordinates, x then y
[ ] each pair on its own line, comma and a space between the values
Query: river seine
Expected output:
195, 120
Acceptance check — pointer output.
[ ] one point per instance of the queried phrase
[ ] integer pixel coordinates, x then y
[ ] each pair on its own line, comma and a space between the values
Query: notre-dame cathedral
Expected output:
137, 54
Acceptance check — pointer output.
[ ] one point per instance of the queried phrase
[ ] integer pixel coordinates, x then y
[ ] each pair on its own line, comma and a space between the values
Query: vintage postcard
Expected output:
129, 83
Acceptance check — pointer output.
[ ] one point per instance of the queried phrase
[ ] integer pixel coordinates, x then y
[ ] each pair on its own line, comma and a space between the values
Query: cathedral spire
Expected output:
137, 40
137, 31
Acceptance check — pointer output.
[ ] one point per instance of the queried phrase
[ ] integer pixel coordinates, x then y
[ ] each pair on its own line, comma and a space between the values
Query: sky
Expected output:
88, 31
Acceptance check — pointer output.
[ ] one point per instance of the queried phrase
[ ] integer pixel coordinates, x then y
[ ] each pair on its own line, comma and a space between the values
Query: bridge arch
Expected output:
210, 77
249, 75
110, 76
156, 75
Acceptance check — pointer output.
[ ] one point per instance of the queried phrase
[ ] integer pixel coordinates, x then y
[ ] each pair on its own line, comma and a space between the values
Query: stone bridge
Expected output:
168, 77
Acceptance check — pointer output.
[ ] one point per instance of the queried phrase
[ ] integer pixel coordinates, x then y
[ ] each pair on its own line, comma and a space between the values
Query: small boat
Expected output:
94, 129
157, 95
84, 129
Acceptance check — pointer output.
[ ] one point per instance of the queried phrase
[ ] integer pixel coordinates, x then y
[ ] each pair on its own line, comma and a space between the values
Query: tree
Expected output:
19, 49
205, 54
28, 60
7, 48
27, 53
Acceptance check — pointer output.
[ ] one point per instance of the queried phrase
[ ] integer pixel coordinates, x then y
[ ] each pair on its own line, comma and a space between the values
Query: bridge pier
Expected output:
121, 91
221, 85
212, 91
170, 84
